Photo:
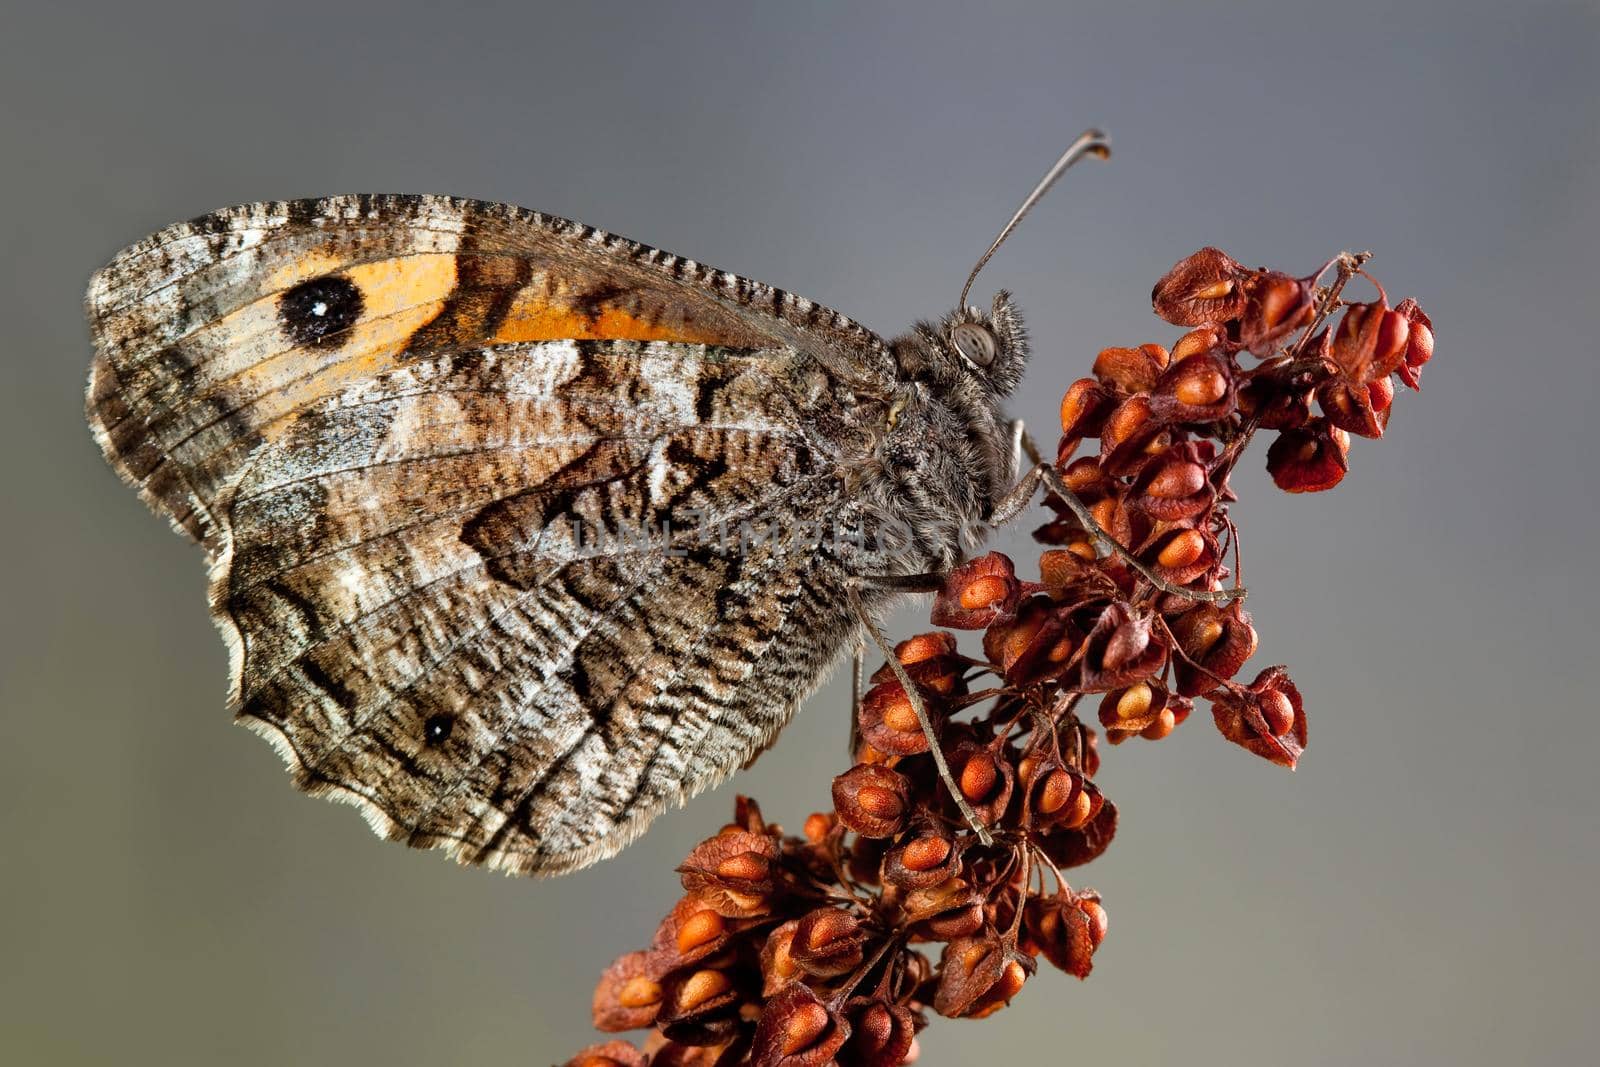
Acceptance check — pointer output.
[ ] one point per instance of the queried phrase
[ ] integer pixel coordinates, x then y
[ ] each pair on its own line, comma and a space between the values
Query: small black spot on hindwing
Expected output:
319, 311
436, 731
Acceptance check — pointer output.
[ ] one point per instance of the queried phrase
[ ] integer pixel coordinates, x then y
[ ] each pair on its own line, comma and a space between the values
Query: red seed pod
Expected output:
985, 777
628, 995
1200, 389
778, 965
1054, 794
1172, 716
797, 1029
931, 660
1273, 403
1084, 408
1419, 343
978, 976
1310, 459
1067, 576
1215, 641
1370, 342
693, 932
1066, 929
872, 800
828, 942
881, 1033
1038, 643
1130, 370
1128, 431
889, 723
1122, 649
1202, 288
977, 592
1086, 478
699, 1007
1275, 306
1183, 555
747, 817
1201, 339
927, 856
950, 909
1073, 846
609, 1054
733, 873
1351, 408
1127, 712
1173, 486
1268, 717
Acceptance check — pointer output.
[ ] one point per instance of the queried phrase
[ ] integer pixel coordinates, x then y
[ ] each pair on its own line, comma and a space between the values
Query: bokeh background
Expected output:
1420, 892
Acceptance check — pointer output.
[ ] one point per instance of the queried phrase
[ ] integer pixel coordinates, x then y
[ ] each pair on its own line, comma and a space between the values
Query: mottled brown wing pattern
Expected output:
383, 416
211, 334
426, 624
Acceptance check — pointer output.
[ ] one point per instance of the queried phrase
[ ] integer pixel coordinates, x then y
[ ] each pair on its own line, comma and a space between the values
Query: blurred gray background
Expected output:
1420, 892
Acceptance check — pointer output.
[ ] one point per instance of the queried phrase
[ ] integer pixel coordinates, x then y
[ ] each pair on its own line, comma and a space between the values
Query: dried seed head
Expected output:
1309, 459
882, 1034
1278, 712
1098, 921
628, 995
889, 723
639, 992
1201, 387
1419, 343
1200, 288
1243, 716
1176, 480
1057, 789
1182, 549
699, 929
993, 601
797, 1030
1131, 370
925, 647
1134, 702
828, 942
872, 800
979, 777
926, 857
1084, 408
1161, 727
1276, 305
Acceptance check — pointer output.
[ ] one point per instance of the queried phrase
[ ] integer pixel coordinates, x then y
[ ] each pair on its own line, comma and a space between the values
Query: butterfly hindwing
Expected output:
425, 442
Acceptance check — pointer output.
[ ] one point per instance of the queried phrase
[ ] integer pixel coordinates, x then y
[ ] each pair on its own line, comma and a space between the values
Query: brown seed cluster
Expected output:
831, 947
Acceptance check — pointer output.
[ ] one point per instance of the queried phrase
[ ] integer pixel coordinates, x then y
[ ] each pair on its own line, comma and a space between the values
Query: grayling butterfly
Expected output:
520, 532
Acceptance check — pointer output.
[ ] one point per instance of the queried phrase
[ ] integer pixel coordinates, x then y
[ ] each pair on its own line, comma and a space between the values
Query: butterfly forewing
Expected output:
474, 483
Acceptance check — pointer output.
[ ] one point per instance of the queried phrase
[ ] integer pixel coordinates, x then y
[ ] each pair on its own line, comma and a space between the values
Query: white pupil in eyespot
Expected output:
975, 343
319, 309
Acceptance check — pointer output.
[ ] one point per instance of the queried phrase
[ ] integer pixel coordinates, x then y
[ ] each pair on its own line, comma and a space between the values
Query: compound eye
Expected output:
975, 342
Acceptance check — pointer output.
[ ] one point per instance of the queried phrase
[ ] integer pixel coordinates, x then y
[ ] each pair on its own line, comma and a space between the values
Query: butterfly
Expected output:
468, 479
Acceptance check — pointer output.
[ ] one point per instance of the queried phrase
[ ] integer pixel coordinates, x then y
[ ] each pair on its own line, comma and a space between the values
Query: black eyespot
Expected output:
317, 312
436, 731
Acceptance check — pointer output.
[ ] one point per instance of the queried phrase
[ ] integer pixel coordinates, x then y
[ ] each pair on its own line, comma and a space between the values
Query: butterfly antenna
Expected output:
1088, 143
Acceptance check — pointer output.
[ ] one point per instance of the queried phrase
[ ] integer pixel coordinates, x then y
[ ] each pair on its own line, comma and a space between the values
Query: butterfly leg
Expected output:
1012, 504
914, 696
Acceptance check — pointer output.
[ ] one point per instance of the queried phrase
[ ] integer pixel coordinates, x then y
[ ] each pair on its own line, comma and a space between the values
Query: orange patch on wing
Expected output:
398, 296
534, 318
